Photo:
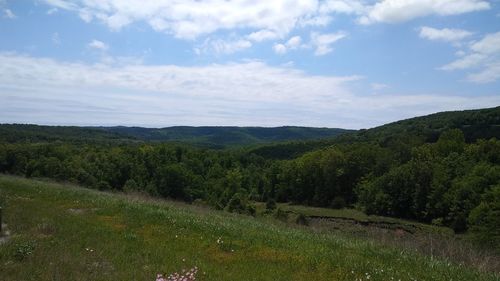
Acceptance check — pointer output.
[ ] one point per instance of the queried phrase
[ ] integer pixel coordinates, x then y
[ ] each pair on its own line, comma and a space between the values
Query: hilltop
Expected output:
475, 124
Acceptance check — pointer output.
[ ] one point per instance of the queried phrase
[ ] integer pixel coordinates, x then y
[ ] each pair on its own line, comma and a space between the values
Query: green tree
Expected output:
484, 220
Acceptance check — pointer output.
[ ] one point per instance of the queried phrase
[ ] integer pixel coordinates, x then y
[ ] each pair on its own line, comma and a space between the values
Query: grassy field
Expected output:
360, 217
62, 232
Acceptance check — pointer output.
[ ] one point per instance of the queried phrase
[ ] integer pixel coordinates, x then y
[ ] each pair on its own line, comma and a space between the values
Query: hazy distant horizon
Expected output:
242, 126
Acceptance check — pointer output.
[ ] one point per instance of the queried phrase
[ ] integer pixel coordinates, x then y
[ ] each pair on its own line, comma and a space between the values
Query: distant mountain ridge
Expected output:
209, 136
283, 141
226, 136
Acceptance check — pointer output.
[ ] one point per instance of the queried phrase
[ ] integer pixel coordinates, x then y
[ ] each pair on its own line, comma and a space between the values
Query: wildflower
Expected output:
189, 275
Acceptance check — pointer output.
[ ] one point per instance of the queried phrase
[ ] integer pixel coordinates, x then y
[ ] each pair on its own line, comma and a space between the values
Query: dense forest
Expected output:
221, 137
442, 169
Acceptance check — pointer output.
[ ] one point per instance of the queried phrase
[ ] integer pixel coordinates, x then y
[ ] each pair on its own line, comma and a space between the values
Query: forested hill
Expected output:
226, 136
214, 137
475, 124
27, 133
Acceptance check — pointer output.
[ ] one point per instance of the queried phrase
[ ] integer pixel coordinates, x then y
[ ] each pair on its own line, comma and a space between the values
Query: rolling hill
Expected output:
475, 124
480, 123
213, 137
226, 136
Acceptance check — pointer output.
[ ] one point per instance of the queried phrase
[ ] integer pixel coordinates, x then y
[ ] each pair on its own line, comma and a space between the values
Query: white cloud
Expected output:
490, 44
63, 4
465, 62
8, 14
328, 8
56, 39
250, 93
319, 20
445, 34
396, 11
343, 7
323, 42
260, 20
379, 86
490, 73
220, 46
292, 44
483, 56
52, 11
215, 94
99, 45
262, 35
279, 49
189, 19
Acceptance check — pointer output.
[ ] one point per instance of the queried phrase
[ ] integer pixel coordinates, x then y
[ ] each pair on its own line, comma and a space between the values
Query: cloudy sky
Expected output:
324, 63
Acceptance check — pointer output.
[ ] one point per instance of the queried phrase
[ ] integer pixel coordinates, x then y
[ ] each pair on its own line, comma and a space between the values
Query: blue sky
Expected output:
324, 63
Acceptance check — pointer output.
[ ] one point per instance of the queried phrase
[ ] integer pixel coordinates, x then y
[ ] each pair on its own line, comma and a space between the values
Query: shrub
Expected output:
24, 250
236, 205
338, 202
271, 204
438, 222
302, 220
281, 214
103, 185
484, 220
251, 209
130, 186
239, 204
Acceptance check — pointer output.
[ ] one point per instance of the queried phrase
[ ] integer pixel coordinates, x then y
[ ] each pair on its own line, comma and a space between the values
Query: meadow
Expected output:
64, 232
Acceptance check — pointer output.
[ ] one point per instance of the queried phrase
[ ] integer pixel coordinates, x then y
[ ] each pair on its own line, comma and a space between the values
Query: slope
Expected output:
60, 232
475, 124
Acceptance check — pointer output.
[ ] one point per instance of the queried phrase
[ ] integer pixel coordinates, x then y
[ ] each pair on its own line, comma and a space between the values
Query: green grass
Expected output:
358, 216
325, 212
62, 232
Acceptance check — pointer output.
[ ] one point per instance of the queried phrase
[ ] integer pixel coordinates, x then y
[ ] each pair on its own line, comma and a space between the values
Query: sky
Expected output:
322, 63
